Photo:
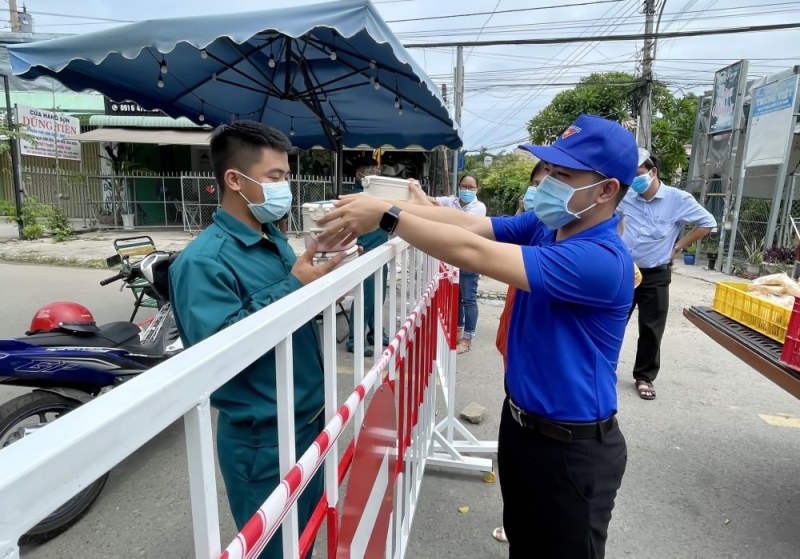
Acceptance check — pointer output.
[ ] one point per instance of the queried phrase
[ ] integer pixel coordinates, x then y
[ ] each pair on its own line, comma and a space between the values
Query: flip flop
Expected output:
500, 535
646, 390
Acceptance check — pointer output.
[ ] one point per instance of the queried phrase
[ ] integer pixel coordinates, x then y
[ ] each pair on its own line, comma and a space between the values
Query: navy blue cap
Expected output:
593, 143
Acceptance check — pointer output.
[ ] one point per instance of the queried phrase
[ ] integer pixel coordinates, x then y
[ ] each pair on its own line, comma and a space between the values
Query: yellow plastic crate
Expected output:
733, 300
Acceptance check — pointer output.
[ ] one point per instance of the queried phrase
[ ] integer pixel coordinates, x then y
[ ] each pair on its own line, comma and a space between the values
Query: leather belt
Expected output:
661, 268
560, 430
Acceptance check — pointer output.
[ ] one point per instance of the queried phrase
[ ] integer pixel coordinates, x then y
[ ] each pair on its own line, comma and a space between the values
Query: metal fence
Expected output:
175, 200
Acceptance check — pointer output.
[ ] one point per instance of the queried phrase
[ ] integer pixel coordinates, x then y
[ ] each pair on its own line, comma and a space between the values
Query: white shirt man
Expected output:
654, 215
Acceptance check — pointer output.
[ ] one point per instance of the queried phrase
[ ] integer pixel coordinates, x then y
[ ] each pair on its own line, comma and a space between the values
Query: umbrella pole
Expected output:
338, 167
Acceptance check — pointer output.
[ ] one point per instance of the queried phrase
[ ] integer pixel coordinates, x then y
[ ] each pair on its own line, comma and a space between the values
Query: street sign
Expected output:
369, 499
460, 161
51, 134
128, 108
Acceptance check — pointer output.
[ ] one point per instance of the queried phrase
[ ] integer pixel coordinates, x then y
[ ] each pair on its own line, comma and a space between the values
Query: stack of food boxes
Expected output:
383, 187
312, 212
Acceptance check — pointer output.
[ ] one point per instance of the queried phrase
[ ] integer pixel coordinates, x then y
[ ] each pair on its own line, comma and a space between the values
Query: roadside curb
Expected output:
44, 259
713, 280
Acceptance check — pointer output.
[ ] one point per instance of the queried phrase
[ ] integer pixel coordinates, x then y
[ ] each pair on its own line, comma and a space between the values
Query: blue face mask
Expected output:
551, 203
527, 200
641, 183
277, 200
466, 196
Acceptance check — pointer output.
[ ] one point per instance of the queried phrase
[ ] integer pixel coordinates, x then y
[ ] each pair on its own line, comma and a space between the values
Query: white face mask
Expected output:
551, 203
277, 200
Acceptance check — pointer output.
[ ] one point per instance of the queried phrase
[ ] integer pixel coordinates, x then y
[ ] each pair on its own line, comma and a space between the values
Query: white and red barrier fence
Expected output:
394, 436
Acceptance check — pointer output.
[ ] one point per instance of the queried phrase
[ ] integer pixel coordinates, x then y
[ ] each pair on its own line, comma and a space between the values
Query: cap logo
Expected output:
570, 131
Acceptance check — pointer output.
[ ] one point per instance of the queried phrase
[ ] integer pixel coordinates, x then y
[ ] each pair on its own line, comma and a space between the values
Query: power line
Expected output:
485, 23
584, 24
498, 12
36, 12
578, 53
609, 38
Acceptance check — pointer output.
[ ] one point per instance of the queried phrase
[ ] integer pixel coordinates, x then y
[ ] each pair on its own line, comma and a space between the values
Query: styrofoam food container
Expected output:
323, 257
313, 211
386, 187
325, 246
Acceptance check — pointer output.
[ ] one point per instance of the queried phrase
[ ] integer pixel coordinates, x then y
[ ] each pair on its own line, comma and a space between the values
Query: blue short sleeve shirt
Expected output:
565, 335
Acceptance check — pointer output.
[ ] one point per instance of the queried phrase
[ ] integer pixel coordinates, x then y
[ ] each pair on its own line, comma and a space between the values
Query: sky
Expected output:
506, 86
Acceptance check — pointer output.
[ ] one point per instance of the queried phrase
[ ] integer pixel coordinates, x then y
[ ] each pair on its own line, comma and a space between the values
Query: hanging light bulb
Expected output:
400, 109
372, 79
202, 117
333, 55
377, 84
396, 102
163, 66
271, 61
415, 107
160, 82
203, 54
291, 127
372, 64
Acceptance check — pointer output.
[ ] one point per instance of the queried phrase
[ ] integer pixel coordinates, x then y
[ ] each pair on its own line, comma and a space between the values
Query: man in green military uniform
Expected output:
367, 242
236, 267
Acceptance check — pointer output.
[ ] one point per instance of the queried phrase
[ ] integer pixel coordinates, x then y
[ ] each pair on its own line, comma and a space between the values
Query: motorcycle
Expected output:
68, 360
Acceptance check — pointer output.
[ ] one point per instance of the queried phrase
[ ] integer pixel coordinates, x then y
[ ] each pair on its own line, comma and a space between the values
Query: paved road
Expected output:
707, 477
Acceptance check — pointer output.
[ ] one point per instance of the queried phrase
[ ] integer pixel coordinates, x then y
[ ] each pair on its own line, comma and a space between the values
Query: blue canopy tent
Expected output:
329, 75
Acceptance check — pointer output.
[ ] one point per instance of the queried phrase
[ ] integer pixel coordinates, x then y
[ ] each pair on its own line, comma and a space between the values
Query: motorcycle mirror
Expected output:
114, 261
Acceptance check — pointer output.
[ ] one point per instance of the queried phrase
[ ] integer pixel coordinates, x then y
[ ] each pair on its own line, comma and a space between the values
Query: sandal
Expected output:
646, 390
463, 347
500, 535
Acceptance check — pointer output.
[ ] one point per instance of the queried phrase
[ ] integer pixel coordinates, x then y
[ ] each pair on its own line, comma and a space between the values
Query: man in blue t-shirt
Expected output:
561, 453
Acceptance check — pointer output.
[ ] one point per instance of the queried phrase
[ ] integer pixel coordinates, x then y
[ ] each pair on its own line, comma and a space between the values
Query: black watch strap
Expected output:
390, 219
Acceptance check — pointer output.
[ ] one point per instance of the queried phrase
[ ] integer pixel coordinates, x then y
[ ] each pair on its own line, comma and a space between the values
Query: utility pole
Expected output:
645, 102
11, 126
458, 102
14, 19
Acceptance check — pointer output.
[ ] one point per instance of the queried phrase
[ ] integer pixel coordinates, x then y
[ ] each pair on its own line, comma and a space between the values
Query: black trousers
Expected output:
557, 496
652, 298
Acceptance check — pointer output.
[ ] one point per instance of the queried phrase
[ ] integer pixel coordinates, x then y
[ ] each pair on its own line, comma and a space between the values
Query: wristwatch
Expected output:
390, 219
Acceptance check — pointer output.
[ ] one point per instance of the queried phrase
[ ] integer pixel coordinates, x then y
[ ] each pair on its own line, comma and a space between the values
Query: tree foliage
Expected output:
615, 95
503, 182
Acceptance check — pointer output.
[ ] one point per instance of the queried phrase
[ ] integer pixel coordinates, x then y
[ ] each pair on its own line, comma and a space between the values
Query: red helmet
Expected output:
71, 317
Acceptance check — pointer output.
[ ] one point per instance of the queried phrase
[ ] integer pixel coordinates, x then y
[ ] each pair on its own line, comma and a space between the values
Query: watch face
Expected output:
389, 220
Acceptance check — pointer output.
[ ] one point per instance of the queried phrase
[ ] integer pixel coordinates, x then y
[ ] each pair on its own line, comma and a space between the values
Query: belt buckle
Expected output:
516, 412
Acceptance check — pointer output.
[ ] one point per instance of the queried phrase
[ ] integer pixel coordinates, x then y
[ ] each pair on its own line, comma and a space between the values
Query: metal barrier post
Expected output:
357, 318
284, 390
445, 451
202, 480
332, 459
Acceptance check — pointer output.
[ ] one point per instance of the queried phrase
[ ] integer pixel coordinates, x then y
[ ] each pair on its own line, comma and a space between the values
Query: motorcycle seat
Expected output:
111, 335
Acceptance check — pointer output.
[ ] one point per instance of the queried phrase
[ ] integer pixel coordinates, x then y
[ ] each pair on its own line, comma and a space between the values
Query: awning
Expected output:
327, 74
125, 121
147, 136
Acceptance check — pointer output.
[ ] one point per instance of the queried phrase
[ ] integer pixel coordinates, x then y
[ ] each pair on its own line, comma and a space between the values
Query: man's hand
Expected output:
675, 252
356, 214
304, 269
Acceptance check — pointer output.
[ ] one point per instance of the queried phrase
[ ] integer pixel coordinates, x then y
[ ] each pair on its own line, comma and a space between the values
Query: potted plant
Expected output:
120, 183
754, 255
778, 259
689, 255
711, 248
